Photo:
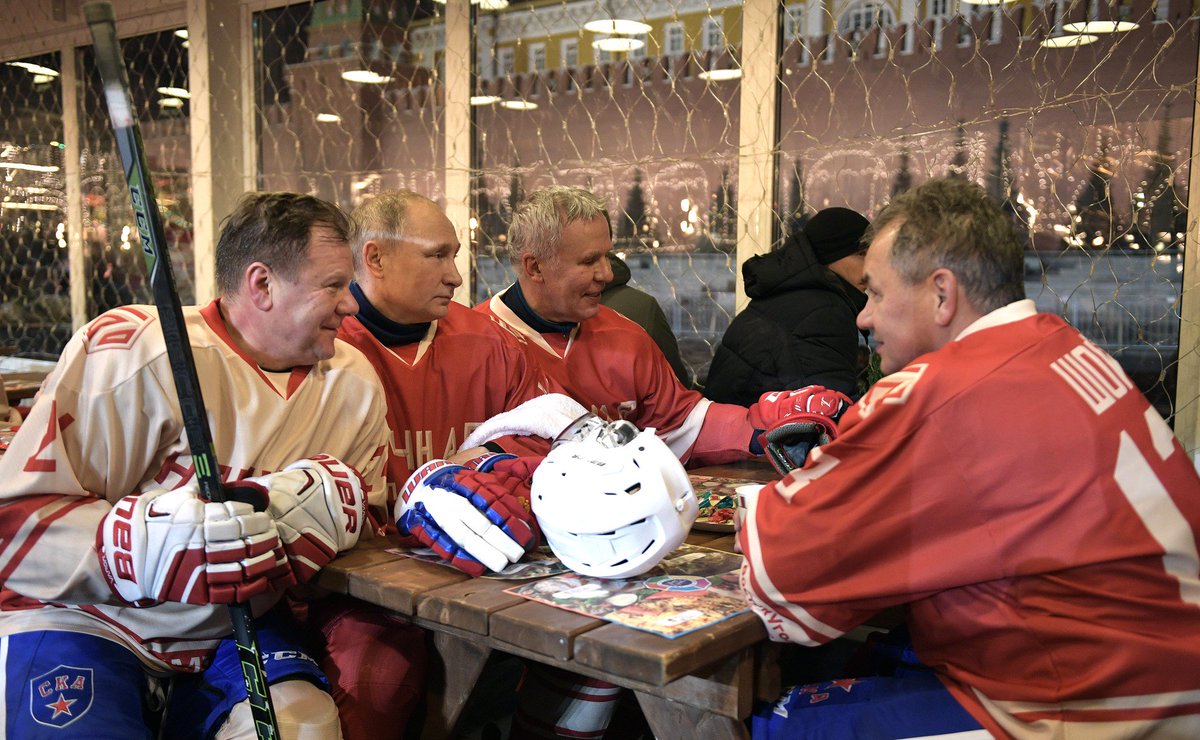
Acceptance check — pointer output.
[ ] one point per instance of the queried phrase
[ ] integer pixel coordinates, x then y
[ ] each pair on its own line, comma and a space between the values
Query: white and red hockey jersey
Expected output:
611, 365
107, 424
1034, 513
465, 370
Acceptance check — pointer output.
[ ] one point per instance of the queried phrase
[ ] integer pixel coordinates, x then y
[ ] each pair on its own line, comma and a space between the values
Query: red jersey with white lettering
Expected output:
1034, 513
464, 371
107, 424
611, 365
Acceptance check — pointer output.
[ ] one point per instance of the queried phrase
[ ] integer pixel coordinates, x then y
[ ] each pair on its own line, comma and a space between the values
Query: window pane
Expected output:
35, 306
157, 65
350, 99
1086, 146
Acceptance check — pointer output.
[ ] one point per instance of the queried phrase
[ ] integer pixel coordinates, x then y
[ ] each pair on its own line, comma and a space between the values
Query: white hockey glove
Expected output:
173, 546
320, 508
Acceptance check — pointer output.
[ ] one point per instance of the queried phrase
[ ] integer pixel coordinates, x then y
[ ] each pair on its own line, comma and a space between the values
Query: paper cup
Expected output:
745, 494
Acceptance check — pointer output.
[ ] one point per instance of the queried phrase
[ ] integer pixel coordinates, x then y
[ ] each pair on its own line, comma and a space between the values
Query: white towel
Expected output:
544, 416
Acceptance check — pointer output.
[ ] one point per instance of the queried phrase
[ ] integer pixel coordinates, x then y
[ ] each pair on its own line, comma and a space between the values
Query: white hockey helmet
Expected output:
610, 500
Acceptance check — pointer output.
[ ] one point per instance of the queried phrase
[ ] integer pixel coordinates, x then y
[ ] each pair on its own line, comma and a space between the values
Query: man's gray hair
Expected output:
538, 222
950, 223
381, 219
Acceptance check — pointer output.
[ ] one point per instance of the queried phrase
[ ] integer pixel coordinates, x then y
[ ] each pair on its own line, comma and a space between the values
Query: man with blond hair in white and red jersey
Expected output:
1009, 486
114, 573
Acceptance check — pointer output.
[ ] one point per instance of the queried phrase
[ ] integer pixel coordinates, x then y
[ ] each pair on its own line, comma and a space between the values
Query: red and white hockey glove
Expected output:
174, 546
811, 400
478, 520
795, 422
319, 507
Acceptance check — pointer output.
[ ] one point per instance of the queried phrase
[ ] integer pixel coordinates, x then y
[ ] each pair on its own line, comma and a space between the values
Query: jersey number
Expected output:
1147, 495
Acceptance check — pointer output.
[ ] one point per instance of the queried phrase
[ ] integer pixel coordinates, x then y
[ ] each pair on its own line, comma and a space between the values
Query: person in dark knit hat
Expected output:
798, 328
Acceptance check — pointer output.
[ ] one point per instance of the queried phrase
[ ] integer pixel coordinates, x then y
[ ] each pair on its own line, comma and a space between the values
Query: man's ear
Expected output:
373, 258
257, 284
946, 295
531, 267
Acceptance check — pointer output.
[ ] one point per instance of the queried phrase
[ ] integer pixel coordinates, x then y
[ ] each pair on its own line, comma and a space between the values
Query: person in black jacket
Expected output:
798, 328
643, 309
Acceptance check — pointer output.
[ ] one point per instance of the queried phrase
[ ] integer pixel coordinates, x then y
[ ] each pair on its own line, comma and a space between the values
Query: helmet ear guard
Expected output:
611, 500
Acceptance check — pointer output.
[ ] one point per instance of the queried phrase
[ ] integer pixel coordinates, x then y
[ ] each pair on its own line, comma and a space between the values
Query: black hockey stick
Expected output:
102, 22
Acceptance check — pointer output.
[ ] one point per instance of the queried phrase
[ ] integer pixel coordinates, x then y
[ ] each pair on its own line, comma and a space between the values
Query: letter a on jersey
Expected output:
61, 695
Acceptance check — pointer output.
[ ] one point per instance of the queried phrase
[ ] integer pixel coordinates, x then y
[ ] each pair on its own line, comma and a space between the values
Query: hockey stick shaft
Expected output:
102, 23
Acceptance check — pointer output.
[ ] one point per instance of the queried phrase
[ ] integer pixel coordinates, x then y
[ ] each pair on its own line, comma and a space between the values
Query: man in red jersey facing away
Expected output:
115, 574
560, 239
1009, 486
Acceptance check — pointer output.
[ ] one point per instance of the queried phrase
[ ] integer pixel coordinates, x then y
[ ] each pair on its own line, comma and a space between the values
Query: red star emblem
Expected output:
62, 706
844, 684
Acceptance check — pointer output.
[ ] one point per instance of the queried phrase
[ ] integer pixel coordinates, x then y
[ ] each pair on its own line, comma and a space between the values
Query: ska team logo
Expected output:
61, 695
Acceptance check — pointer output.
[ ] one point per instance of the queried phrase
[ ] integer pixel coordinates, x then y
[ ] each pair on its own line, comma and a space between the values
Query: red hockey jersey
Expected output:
611, 365
464, 371
1033, 511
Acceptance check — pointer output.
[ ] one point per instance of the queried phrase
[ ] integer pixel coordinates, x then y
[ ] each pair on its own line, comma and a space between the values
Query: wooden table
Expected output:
702, 684
19, 386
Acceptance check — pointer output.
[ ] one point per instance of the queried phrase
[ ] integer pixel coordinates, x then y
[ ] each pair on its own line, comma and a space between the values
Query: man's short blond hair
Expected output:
538, 222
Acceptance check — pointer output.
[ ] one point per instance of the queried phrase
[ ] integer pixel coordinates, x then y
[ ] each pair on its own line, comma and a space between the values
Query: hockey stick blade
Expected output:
102, 23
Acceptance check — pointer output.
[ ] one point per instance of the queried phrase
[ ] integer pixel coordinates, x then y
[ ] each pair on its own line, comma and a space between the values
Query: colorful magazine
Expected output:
537, 563
691, 588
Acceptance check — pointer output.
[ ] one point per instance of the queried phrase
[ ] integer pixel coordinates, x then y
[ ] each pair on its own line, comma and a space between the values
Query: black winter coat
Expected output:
798, 329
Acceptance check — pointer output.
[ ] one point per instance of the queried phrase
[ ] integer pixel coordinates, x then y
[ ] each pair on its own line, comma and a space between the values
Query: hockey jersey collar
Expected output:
1015, 311
389, 333
514, 298
212, 316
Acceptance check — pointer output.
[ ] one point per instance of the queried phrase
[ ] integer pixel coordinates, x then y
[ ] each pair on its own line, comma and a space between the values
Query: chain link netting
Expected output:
1084, 138
157, 65
33, 255
1082, 135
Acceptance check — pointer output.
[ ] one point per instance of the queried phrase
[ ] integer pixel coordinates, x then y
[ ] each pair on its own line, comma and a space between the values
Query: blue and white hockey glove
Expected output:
476, 519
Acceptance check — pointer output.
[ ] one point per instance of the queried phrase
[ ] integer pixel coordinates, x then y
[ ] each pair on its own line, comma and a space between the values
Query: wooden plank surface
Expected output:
751, 470
468, 605
672, 720
19, 390
723, 688
370, 573
366, 554
397, 585
542, 629
455, 669
656, 660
